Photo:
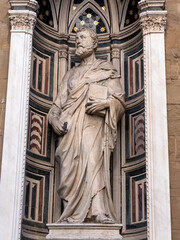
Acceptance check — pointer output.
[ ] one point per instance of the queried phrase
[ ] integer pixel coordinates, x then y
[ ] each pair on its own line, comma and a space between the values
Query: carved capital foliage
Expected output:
63, 54
22, 20
152, 22
63, 51
115, 52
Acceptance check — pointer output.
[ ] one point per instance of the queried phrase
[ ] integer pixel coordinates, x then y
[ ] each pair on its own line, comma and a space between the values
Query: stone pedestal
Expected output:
84, 231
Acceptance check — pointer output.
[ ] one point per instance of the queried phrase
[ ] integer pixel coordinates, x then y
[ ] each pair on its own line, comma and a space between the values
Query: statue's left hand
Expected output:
94, 106
58, 127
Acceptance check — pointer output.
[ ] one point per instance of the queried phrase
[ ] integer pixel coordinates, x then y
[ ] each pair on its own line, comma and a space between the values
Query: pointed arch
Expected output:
100, 2
46, 13
100, 16
130, 13
76, 8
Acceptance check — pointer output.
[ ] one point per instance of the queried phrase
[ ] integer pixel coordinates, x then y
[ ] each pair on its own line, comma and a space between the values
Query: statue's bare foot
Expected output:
104, 219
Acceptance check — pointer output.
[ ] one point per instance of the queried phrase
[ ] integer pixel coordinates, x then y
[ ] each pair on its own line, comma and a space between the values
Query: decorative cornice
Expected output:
24, 4
151, 4
22, 20
153, 21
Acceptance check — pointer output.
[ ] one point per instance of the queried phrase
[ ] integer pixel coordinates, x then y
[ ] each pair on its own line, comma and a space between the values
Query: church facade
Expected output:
37, 47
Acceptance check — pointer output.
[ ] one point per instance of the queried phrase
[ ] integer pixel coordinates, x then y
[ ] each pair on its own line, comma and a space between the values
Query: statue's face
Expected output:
84, 44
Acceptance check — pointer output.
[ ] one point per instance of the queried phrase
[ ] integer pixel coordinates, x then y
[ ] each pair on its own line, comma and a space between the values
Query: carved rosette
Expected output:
23, 22
152, 23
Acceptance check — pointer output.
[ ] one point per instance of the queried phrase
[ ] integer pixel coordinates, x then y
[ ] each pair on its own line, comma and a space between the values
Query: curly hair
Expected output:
92, 34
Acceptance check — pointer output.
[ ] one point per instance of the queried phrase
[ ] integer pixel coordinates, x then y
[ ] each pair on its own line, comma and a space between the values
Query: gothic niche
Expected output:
120, 41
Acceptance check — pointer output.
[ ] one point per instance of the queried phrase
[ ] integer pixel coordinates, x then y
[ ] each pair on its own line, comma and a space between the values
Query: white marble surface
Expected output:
15, 131
157, 163
84, 231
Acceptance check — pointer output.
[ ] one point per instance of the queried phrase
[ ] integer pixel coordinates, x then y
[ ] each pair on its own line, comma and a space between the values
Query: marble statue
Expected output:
84, 115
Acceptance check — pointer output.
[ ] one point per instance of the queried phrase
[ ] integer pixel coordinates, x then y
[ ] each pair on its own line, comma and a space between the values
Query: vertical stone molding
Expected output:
115, 55
63, 55
16, 119
153, 23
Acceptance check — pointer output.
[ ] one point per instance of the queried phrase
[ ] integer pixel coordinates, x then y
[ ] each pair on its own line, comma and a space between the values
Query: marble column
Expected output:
153, 22
115, 56
22, 20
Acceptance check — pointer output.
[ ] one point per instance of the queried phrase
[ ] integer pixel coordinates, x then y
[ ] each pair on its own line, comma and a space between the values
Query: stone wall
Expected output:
173, 98
4, 58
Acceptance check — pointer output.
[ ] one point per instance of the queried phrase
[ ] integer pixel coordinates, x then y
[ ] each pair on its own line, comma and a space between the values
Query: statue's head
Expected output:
86, 42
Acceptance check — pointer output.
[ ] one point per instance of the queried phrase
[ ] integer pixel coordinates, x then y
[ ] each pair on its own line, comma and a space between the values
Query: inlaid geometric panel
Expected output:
42, 73
137, 122
134, 75
39, 135
135, 133
40, 79
34, 197
37, 198
37, 139
138, 191
136, 203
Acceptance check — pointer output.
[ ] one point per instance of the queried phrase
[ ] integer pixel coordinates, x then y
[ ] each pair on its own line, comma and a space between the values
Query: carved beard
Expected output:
83, 52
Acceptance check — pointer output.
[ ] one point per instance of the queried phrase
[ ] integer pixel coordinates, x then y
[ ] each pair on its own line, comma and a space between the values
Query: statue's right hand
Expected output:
58, 127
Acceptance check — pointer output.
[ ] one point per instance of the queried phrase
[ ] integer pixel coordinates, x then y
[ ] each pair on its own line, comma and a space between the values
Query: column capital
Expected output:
153, 21
115, 51
22, 21
22, 15
63, 52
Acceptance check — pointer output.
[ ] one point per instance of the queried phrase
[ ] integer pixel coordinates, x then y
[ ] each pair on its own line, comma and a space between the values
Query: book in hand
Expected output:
96, 92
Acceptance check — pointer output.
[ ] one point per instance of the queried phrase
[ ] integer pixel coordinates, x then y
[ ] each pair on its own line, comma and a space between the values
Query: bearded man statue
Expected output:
84, 115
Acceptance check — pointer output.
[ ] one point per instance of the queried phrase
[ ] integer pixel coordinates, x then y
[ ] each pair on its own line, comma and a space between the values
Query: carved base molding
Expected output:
84, 231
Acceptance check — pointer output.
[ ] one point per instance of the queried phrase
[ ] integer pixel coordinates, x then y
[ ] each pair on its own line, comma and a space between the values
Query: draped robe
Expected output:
84, 151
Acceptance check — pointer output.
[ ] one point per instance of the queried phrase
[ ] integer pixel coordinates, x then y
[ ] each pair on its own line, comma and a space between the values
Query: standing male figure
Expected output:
84, 116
